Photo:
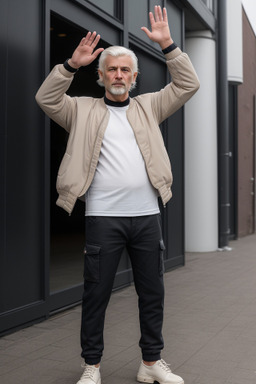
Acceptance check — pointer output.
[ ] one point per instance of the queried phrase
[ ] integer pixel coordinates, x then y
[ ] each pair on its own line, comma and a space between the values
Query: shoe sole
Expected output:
143, 379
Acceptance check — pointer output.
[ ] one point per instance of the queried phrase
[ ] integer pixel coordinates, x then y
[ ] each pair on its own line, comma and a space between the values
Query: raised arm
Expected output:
184, 81
160, 31
52, 97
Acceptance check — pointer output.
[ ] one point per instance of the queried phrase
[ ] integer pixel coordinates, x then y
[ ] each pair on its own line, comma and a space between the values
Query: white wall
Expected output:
201, 202
235, 41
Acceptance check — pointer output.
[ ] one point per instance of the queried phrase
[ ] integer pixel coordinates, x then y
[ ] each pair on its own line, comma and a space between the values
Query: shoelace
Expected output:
88, 371
165, 366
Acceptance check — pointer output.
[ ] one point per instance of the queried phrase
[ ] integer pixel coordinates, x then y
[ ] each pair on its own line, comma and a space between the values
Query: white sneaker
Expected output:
91, 375
160, 372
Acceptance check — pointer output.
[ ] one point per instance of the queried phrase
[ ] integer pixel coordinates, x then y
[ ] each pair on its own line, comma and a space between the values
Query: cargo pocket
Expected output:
161, 257
92, 263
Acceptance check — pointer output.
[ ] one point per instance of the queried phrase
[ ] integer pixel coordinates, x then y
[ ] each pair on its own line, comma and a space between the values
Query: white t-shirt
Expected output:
121, 186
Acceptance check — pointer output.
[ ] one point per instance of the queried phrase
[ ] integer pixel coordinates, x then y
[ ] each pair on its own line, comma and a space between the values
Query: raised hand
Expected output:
160, 32
84, 54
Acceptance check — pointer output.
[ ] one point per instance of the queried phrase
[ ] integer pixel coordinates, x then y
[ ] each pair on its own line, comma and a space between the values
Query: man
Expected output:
116, 156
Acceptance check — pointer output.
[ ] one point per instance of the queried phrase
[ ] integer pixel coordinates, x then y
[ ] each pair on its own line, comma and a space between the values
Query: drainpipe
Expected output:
223, 128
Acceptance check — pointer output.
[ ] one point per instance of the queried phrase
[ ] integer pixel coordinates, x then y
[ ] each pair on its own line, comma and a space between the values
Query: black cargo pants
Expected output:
106, 238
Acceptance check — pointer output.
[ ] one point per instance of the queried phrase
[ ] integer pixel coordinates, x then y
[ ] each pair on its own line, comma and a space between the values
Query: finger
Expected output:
147, 31
97, 52
165, 18
156, 13
160, 13
89, 38
86, 38
151, 19
82, 41
92, 37
95, 42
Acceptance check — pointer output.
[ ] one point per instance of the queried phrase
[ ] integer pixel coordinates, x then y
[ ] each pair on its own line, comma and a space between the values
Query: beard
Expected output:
117, 91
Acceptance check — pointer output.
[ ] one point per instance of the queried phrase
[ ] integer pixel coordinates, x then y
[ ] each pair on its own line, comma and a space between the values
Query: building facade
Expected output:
41, 247
246, 134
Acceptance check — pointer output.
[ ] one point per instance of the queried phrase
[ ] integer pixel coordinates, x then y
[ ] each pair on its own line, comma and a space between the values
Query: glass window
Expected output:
106, 5
137, 17
175, 22
153, 3
148, 65
209, 4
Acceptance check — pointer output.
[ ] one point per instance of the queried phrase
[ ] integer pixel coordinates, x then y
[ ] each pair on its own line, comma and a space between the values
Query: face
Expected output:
118, 77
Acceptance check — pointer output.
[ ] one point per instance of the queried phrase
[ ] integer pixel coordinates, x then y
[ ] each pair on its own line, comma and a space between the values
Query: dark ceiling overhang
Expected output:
198, 16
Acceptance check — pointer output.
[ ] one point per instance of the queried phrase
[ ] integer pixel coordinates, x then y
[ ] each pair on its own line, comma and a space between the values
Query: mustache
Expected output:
118, 83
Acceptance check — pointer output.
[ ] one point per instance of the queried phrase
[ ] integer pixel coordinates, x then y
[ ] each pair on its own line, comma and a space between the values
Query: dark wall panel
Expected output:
174, 137
21, 252
3, 55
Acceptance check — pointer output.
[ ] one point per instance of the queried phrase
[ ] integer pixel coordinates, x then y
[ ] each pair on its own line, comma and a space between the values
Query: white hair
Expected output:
116, 50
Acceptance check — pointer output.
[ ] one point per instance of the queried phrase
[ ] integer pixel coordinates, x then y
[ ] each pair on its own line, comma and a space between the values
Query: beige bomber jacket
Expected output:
86, 119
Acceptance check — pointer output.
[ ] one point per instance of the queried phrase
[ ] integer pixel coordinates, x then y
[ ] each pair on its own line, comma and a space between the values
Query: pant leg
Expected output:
105, 241
146, 253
